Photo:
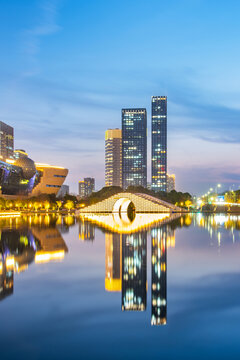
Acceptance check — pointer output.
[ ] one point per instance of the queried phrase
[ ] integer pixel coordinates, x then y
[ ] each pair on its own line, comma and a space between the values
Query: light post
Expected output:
218, 187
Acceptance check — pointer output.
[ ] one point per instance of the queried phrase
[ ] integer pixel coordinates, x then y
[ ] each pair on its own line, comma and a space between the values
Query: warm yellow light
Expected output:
42, 256
38, 165
113, 285
10, 262
114, 223
10, 161
10, 214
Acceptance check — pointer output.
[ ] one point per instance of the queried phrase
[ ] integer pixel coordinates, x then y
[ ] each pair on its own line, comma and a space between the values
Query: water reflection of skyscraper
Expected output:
134, 271
159, 275
125, 259
86, 230
113, 262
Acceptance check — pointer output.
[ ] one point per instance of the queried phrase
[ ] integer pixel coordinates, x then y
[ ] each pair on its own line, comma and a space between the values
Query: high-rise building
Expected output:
134, 147
159, 143
86, 187
113, 157
81, 188
6, 141
20, 153
170, 182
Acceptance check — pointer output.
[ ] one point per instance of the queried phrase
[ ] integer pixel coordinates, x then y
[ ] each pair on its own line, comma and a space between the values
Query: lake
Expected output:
100, 287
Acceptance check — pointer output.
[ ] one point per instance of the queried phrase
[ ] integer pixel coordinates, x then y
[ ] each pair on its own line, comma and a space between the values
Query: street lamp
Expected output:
218, 187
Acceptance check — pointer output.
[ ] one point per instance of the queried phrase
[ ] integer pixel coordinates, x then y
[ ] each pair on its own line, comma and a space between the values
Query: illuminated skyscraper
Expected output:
134, 271
113, 157
86, 187
159, 275
134, 147
6, 141
159, 143
113, 262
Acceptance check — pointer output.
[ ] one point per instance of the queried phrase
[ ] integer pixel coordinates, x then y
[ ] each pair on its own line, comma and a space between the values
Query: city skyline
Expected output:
61, 90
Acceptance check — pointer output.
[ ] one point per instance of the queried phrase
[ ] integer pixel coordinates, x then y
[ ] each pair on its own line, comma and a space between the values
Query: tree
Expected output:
188, 203
59, 204
46, 205
69, 205
2, 203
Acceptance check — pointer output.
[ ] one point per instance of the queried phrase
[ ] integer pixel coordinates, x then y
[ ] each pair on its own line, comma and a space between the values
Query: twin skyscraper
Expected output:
126, 148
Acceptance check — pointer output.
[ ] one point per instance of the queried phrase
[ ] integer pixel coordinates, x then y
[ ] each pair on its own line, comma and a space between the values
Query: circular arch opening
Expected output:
125, 208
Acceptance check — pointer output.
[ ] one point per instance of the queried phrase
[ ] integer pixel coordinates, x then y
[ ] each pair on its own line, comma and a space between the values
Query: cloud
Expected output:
47, 25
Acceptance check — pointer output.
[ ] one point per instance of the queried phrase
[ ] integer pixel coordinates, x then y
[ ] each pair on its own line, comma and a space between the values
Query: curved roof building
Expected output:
22, 176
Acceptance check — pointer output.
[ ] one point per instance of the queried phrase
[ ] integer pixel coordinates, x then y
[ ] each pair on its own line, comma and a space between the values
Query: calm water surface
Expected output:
107, 288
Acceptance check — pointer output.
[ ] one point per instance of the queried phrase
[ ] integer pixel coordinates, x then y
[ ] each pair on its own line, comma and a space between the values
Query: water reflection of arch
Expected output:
122, 220
121, 205
117, 224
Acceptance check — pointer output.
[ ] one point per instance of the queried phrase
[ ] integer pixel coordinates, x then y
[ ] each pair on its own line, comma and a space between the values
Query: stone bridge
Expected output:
142, 203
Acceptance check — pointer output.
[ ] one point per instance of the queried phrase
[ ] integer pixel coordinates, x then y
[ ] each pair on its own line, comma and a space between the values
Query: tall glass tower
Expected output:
159, 143
6, 141
134, 147
113, 157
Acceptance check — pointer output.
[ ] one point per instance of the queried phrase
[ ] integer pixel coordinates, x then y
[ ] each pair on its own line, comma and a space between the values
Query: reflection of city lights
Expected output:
114, 223
42, 257
10, 262
113, 285
10, 214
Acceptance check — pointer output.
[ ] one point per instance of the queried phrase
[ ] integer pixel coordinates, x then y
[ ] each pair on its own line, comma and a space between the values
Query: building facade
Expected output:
23, 176
6, 141
159, 143
64, 190
113, 157
86, 187
50, 180
170, 182
134, 147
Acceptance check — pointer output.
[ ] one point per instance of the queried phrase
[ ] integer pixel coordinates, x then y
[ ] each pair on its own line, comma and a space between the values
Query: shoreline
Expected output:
74, 212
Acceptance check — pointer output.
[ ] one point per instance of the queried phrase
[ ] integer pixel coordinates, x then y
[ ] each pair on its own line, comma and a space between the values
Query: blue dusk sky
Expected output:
67, 67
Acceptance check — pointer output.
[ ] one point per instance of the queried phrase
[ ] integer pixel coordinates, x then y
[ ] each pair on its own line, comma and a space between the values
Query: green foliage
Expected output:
107, 191
102, 194
70, 197
174, 197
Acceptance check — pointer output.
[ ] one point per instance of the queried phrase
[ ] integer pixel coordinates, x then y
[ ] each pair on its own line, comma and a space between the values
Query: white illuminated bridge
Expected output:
141, 203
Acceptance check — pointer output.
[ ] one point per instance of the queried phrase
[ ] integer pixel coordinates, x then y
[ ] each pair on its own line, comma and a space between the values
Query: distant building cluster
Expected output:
170, 182
126, 149
86, 187
20, 175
